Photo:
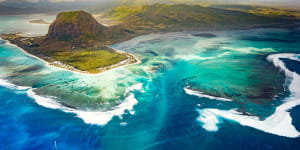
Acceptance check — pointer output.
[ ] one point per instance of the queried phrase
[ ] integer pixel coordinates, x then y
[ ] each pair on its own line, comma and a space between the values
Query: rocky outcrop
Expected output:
75, 26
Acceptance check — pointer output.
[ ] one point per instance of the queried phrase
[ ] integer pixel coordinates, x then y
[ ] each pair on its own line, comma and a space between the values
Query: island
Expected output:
39, 21
77, 41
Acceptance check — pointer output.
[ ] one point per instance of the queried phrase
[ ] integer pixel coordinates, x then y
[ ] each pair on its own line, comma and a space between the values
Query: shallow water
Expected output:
189, 92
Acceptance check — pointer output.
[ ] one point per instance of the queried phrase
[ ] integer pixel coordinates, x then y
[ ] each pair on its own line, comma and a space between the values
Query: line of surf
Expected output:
279, 123
202, 95
5, 83
75, 72
89, 117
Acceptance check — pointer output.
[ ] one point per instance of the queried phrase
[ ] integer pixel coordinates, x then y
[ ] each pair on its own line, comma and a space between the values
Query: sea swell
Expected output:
279, 123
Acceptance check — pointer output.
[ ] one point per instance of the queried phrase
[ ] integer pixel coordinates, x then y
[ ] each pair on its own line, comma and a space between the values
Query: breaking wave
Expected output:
279, 123
89, 117
9, 85
202, 95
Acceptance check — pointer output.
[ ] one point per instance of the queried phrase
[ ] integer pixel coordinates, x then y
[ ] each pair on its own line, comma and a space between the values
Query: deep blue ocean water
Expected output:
178, 73
26, 125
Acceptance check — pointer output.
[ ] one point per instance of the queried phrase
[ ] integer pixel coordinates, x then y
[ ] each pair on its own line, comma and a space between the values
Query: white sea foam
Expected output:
279, 123
123, 123
91, 117
135, 87
202, 95
101, 118
275, 59
196, 57
47, 102
249, 50
209, 120
293, 77
9, 85
155, 36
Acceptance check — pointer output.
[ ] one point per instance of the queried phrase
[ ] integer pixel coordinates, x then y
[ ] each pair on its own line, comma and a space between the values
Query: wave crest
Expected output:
89, 117
202, 95
279, 123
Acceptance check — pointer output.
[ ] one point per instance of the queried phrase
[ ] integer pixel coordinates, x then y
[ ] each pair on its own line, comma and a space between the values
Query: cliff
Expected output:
77, 27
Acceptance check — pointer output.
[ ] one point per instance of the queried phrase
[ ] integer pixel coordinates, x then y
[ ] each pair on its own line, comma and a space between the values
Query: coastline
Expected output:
87, 116
62, 66
75, 71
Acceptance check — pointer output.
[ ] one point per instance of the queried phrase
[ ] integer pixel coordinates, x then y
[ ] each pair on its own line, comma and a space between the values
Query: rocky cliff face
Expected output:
75, 26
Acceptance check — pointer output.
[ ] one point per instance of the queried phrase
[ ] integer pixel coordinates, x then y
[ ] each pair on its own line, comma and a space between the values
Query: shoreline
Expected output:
62, 66
48, 64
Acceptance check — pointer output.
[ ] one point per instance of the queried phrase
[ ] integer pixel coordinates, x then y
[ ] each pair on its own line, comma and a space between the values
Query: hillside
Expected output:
78, 42
184, 17
262, 11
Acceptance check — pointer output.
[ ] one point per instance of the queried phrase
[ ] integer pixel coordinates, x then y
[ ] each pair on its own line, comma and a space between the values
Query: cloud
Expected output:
32, 1
36, 1
57, 1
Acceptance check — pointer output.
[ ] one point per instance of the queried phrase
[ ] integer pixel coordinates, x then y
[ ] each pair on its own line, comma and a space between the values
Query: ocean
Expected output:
234, 90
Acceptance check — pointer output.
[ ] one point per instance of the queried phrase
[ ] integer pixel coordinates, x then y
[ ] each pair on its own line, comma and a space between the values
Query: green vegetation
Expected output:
163, 17
78, 41
76, 27
89, 60
127, 11
69, 17
262, 11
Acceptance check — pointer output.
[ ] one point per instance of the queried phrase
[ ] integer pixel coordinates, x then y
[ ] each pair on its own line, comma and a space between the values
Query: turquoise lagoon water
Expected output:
238, 90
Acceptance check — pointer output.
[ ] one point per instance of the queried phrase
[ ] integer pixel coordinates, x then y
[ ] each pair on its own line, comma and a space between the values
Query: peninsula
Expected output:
76, 41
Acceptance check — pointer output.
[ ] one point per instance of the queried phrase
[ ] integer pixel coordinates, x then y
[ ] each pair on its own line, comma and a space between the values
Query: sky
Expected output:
294, 3
52, 1
222, 1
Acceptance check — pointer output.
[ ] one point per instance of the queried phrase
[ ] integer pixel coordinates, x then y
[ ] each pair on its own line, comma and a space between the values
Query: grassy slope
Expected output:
68, 17
262, 11
184, 17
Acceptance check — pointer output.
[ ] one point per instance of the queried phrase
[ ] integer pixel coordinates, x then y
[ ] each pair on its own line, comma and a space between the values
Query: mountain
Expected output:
262, 11
81, 29
75, 41
180, 17
75, 25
